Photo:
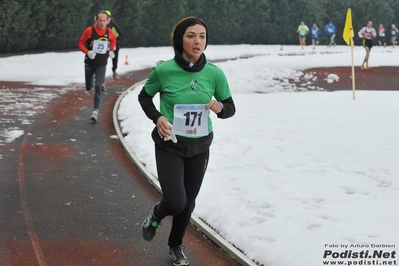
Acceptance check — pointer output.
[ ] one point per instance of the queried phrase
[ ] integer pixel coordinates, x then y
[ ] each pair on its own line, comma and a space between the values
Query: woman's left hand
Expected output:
214, 106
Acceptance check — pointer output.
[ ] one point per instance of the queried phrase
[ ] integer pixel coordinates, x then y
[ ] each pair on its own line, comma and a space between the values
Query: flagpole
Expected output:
353, 70
348, 37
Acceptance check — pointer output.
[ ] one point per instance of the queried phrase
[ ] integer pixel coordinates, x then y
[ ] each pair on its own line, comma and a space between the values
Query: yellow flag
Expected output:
348, 30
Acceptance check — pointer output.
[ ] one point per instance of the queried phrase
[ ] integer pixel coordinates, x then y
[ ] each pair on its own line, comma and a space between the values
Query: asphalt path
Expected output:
70, 196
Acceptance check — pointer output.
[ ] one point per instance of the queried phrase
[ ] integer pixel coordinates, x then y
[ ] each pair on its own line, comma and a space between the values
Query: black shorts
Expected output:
367, 43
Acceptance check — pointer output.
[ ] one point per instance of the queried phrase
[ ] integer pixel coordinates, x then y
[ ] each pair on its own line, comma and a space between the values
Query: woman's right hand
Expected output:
163, 127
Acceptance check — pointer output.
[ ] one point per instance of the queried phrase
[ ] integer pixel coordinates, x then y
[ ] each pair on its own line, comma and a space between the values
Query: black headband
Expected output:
181, 28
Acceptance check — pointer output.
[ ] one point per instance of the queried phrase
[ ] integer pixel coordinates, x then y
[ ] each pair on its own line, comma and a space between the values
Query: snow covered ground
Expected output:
293, 176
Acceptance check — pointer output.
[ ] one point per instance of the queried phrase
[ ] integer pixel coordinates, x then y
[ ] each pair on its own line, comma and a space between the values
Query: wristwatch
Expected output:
221, 106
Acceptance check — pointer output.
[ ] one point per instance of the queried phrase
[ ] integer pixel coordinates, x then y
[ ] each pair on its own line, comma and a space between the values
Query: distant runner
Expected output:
330, 31
367, 33
381, 36
303, 30
97, 43
394, 35
118, 32
315, 34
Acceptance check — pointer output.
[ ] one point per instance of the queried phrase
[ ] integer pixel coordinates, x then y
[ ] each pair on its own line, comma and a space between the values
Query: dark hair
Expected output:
101, 12
180, 28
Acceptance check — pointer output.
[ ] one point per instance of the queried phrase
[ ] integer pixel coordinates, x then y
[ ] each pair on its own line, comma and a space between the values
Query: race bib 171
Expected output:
190, 120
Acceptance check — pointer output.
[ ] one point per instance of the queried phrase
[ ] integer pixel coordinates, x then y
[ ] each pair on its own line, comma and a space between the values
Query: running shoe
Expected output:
150, 224
94, 116
178, 256
115, 75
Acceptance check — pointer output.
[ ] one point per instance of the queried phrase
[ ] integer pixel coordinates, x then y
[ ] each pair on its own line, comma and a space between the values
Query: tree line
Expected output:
54, 25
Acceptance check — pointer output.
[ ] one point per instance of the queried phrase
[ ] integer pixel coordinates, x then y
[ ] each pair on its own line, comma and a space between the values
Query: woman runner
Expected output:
190, 88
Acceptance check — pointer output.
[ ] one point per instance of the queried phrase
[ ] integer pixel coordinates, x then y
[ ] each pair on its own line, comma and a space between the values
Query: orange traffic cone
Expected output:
126, 60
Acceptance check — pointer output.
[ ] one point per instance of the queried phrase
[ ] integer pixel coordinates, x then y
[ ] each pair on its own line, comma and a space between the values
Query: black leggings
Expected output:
180, 180
115, 59
98, 73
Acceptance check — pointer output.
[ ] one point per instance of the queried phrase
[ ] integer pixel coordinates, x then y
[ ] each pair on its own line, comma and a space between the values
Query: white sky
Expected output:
291, 172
